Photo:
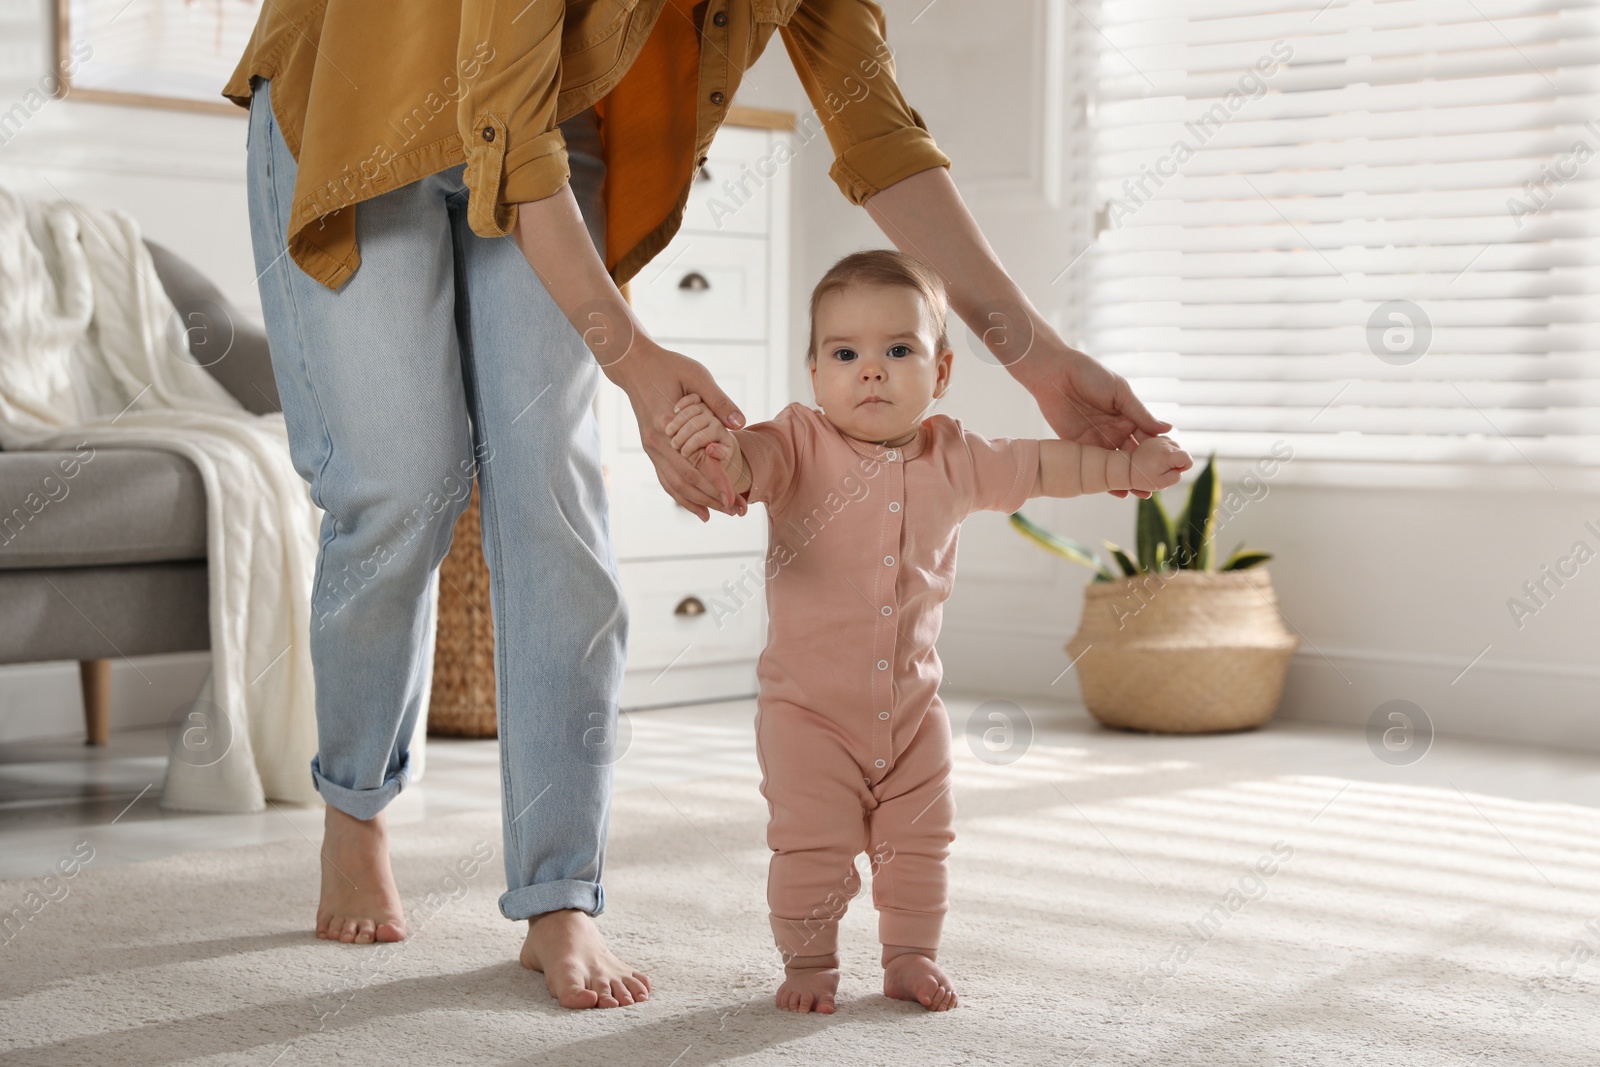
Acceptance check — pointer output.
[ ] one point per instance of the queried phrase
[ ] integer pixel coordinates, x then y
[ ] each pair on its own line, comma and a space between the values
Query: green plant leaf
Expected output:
1128, 569
1198, 525
1065, 547
1153, 530
1243, 561
1161, 557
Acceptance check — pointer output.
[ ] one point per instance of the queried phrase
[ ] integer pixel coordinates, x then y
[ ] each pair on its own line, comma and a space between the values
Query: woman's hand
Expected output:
1084, 402
655, 379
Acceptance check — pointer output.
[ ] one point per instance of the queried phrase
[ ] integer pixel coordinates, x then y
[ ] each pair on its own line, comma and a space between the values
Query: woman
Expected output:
414, 351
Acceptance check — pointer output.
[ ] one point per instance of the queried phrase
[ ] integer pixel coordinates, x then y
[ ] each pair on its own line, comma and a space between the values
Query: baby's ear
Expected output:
945, 368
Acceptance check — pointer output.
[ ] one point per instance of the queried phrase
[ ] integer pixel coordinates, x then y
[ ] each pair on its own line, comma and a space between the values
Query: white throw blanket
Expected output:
91, 349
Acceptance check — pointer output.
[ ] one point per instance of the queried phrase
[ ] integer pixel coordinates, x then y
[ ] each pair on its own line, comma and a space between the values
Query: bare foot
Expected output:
579, 970
915, 977
809, 989
359, 903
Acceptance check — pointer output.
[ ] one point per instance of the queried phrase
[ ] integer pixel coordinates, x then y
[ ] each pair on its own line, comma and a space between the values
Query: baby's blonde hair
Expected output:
883, 266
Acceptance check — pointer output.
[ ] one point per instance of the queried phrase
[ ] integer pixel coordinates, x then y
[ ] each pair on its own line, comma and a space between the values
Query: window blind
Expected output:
1365, 228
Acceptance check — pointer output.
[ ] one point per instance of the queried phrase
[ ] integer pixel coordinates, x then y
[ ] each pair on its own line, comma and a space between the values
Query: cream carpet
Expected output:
1102, 914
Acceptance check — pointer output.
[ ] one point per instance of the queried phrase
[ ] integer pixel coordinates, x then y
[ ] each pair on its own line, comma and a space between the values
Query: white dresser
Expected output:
717, 293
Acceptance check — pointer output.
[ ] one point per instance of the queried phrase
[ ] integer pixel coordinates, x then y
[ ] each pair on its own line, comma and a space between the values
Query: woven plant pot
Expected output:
1183, 652
462, 704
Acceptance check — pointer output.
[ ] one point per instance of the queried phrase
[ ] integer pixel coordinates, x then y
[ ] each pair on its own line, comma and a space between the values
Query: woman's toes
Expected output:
390, 932
347, 931
635, 985
364, 932
620, 993
578, 997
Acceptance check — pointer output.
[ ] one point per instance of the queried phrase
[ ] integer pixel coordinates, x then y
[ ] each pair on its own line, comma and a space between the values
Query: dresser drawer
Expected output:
732, 193
706, 288
683, 613
647, 522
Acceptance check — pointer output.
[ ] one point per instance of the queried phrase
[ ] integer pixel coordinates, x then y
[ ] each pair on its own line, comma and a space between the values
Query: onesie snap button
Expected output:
894, 505
879, 763
887, 610
888, 561
883, 664
883, 714
889, 455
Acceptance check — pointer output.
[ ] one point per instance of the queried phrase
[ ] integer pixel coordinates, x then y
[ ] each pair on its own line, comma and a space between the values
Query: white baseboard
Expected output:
41, 700
1531, 703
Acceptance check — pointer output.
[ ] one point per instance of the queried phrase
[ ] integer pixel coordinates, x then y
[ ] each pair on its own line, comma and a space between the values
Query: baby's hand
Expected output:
694, 427
703, 440
1156, 464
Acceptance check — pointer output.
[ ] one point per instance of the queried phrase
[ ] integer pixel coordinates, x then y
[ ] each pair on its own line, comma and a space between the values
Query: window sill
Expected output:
1385, 474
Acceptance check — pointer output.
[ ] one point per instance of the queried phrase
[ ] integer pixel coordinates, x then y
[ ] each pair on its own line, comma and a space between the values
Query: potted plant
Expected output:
1176, 643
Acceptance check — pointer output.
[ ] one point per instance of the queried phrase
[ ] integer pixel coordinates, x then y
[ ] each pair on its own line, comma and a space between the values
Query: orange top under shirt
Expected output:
861, 558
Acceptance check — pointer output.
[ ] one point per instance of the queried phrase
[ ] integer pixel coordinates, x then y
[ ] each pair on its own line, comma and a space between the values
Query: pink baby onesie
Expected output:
853, 740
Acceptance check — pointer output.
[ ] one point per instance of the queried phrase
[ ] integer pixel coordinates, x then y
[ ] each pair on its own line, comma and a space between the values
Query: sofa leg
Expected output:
95, 675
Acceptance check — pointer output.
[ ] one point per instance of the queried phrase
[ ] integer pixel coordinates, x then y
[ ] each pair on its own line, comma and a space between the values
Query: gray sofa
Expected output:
104, 557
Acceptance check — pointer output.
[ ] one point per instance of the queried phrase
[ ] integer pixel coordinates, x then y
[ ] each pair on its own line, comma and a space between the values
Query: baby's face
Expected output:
876, 371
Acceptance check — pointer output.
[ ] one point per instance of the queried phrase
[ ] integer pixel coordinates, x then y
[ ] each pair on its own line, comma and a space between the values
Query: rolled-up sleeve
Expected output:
840, 52
509, 61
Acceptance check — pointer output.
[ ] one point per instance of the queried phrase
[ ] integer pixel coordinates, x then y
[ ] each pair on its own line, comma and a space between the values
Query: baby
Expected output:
865, 499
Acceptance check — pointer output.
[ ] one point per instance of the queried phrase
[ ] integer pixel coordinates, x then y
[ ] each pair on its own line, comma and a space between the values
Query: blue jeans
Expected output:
443, 359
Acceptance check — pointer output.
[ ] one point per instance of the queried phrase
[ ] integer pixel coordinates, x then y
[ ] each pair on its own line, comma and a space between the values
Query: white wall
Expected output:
1395, 589
1399, 588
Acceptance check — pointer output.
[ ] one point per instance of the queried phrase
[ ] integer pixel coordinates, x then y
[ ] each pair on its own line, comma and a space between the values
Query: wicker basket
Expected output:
1183, 652
463, 650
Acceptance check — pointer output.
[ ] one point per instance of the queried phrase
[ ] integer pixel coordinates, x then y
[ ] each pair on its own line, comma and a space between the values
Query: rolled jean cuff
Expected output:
533, 900
910, 929
361, 803
805, 937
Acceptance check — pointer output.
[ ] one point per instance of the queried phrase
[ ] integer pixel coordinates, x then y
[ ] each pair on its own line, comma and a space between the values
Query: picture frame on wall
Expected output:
152, 53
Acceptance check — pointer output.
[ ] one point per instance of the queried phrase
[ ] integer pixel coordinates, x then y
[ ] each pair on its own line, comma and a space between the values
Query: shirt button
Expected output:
717, 98
887, 610
879, 763
883, 664
894, 505
888, 561
883, 714
488, 133
720, 18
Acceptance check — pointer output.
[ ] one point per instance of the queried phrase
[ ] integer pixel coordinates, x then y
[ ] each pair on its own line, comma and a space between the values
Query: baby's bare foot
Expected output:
579, 970
359, 902
809, 989
915, 977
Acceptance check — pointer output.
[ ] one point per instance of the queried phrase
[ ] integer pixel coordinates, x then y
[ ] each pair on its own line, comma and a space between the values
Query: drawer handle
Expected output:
689, 607
694, 280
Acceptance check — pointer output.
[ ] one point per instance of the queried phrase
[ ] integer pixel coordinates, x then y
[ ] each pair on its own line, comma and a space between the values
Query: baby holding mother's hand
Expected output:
853, 740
